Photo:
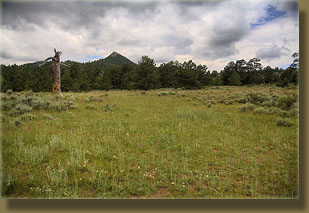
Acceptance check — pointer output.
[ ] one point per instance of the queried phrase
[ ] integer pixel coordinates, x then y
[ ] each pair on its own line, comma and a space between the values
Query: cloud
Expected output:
269, 53
208, 32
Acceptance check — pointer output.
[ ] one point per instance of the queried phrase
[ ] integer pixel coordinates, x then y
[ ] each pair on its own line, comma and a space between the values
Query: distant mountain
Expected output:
113, 59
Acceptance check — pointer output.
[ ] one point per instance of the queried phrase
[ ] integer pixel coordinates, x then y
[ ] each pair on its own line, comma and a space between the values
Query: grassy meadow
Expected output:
217, 142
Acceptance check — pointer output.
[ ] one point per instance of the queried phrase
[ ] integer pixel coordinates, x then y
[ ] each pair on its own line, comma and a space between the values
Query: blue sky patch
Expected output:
92, 57
271, 14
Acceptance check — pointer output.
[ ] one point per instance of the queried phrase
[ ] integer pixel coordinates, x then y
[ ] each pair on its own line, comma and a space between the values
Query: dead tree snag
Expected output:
56, 70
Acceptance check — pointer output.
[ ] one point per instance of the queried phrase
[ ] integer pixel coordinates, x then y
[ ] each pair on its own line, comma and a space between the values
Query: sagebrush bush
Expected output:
9, 92
263, 110
7, 105
269, 103
257, 98
102, 95
20, 109
48, 116
36, 103
287, 102
90, 106
110, 107
164, 93
57, 106
289, 114
13, 97
15, 122
73, 106
228, 102
247, 107
180, 94
28, 116
2, 118
242, 100
172, 93
284, 122
209, 103
90, 99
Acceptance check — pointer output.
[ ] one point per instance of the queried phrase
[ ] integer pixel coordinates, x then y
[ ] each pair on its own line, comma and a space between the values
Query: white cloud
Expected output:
212, 33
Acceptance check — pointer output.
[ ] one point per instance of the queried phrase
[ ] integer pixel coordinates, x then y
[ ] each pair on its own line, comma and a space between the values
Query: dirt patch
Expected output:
162, 192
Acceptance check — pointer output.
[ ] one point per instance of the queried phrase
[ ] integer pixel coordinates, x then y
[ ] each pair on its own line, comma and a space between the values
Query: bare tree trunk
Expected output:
56, 71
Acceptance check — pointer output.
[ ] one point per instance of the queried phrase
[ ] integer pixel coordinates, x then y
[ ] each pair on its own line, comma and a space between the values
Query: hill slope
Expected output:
113, 59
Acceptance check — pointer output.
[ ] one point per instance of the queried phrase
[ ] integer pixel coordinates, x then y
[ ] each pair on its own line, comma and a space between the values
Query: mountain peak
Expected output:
114, 54
113, 59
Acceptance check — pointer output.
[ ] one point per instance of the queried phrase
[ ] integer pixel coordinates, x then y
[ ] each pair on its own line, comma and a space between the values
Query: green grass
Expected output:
133, 144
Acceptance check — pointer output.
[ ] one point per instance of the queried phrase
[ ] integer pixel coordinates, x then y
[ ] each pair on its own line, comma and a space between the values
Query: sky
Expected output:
209, 32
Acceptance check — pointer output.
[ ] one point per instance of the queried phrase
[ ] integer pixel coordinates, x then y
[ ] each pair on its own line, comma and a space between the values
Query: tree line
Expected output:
145, 75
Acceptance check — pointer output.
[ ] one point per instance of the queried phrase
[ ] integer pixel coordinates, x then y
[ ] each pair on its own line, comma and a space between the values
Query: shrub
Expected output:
247, 107
36, 103
109, 107
215, 87
9, 92
162, 93
4, 98
286, 102
2, 118
209, 103
72, 107
180, 94
48, 116
15, 122
13, 97
90, 99
242, 100
228, 102
256, 98
274, 97
28, 116
213, 101
269, 103
7, 105
21, 99
143, 92
172, 93
284, 122
47, 105
57, 106
288, 114
263, 110
90, 106
21, 109
70, 103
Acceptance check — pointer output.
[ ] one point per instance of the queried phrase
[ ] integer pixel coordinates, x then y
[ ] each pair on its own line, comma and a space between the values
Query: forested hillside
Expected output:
118, 72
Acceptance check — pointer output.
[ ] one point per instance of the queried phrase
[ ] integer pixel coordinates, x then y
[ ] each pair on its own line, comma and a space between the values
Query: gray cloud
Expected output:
68, 15
198, 30
270, 53
291, 6
5, 55
228, 27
